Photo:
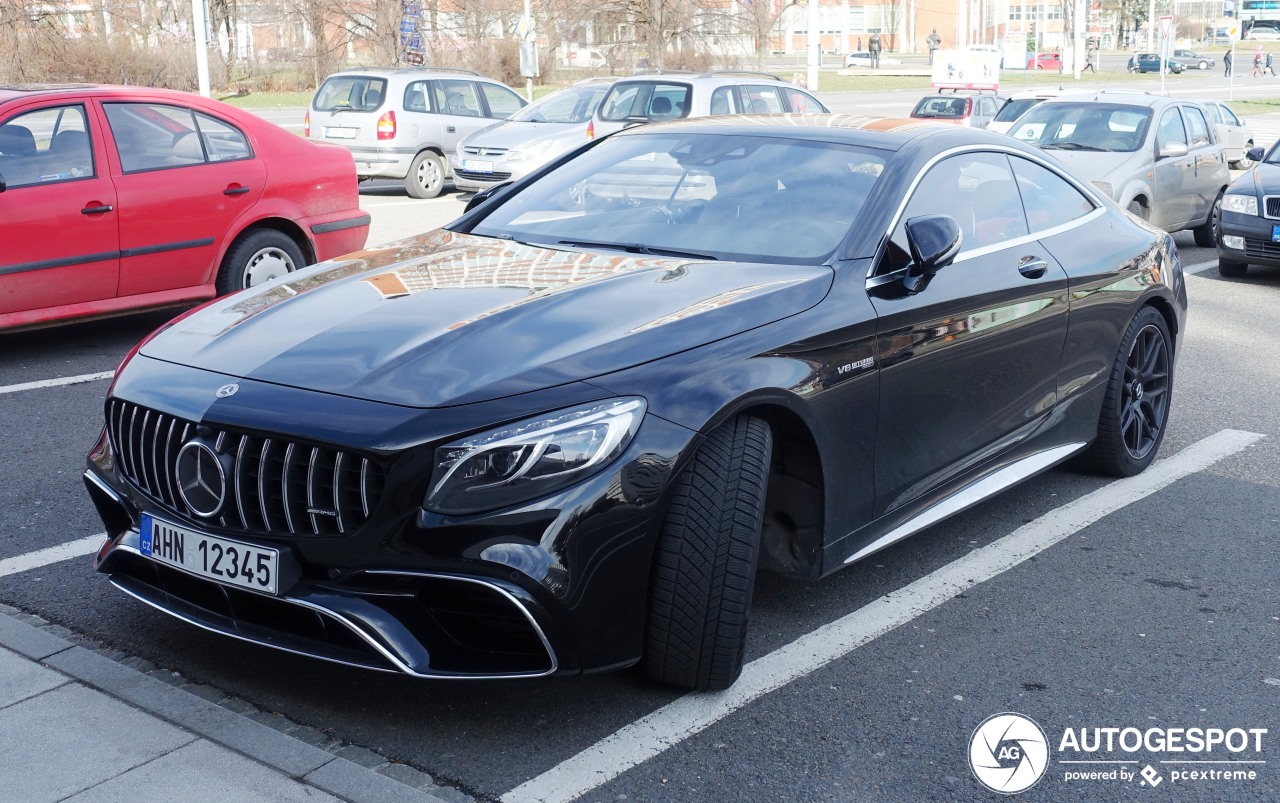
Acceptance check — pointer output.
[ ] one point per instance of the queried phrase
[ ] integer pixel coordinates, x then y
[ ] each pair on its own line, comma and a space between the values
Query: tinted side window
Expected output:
223, 142
460, 98
1170, 130
724, 101
977, 190
415, 96
47, 146
1197, 127
1049, 199
502, 101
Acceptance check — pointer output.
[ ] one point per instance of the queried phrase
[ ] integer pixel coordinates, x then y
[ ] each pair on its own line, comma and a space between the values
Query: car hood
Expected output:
1096, 165
1264, 178
518, 134
447, 318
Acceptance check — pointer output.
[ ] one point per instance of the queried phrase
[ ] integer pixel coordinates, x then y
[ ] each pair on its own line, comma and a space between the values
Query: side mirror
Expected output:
1256, 154
934, 241
484, 195
1174, 149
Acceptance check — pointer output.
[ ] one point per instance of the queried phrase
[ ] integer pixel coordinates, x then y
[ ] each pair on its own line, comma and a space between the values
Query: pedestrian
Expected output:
873, 47
1089, 60
1226, 64
859, 47
1267, 68
933, 41
1257, 62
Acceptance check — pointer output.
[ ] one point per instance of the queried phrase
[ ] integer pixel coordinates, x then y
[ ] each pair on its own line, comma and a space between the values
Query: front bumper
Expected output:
556, 586
503, 171
1260, 245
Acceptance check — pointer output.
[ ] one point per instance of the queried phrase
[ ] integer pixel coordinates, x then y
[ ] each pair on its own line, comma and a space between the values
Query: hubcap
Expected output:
427, 173
265, 265
1145, 403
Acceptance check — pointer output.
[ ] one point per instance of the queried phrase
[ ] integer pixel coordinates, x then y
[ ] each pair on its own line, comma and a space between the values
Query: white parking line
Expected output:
54, 554
689, 715
53, 383
1200, 267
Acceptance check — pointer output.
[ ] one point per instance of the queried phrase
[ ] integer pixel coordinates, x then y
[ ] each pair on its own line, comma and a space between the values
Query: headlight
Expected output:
1243, 204
531, 458
534, 151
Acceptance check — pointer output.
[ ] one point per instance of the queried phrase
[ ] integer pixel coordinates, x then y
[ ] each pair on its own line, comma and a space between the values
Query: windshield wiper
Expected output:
639, 248
1072, 146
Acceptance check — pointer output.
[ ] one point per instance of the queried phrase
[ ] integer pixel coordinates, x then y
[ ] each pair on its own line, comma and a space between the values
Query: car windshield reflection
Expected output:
743, 198
1084, 127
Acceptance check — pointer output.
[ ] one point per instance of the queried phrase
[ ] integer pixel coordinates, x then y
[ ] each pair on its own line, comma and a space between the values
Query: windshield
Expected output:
943, 108
573, 105
1014, 109
358, 92
1084, 126
711, 196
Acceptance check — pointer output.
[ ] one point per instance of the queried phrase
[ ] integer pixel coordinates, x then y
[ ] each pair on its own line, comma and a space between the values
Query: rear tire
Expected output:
1207, 234
1137, 209
1135, 410
1244, 162
425, 178
704, 566
1232, 270
258, 256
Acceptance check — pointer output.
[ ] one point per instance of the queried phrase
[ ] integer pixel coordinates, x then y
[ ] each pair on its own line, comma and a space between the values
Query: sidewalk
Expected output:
77, 726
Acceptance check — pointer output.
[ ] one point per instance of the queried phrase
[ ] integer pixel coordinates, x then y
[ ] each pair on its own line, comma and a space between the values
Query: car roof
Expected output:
413, 72
1125, 98
18, 92
717, 77
888, 133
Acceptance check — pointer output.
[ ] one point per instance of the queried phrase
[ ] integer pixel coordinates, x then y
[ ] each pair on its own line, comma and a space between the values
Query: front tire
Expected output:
1232, 270
1244, 162
1207, 234
704, 566
258, 256
1135, 410
425, 178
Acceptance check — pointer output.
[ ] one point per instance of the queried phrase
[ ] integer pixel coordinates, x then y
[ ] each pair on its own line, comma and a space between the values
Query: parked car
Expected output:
406, 123
655, 98
1150, 62
1045, 61
115, 199
1235, 136
1156, 156
1194, 61
1019, 103
528, 139
1263, 31
564, 433
862, 58
973, 111
1250, 228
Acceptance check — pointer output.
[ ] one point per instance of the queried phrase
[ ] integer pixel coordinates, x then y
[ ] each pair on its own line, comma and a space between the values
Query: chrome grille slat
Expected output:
341, 488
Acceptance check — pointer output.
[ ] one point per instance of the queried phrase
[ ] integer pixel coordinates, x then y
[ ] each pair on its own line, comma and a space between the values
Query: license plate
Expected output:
477, 165
341, 133
1275, 234
218, 559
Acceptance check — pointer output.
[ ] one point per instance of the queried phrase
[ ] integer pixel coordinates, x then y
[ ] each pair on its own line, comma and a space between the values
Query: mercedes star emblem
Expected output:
227, 390
202, 482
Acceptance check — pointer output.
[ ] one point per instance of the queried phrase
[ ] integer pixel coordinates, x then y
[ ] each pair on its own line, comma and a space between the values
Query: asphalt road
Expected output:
1155, 607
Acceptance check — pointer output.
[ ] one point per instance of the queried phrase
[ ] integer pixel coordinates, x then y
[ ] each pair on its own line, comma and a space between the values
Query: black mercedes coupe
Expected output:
563, 433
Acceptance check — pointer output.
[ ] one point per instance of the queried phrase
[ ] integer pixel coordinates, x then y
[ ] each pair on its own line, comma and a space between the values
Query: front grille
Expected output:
1263, 249
482, 176
472, 150
273, 484
1273, 206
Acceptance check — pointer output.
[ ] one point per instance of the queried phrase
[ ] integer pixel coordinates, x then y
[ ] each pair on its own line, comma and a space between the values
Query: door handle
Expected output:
452, 129
1033, 268
96, 210
235, 190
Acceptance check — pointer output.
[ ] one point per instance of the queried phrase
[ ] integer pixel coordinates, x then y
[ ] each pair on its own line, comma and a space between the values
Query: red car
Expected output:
1044, 61
116, 199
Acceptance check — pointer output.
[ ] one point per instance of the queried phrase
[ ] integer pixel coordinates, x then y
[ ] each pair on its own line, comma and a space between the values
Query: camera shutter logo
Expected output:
1008, 753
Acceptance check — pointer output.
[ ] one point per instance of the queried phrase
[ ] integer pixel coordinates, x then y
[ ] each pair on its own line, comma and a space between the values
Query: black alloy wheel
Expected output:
1135, 410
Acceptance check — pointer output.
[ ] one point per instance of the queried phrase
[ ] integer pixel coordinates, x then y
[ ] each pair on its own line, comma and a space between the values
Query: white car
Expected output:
862, 58
1237, 139
1022, 102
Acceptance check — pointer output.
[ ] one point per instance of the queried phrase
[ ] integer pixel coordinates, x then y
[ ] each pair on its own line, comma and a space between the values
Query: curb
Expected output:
295, 758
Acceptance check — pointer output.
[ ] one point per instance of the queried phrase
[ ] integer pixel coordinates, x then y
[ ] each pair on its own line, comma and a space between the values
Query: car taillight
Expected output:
968, 107
591, 129
387, 125
306, 125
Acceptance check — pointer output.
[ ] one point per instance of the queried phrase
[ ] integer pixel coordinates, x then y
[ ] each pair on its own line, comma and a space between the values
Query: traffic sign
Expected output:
1166, 26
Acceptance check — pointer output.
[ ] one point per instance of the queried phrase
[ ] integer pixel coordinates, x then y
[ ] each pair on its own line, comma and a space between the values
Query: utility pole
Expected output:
199, 28
815, 47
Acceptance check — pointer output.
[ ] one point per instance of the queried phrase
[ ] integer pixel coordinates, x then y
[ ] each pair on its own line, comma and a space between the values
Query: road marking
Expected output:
53, 383
54, 554
1200, 267
693, 713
